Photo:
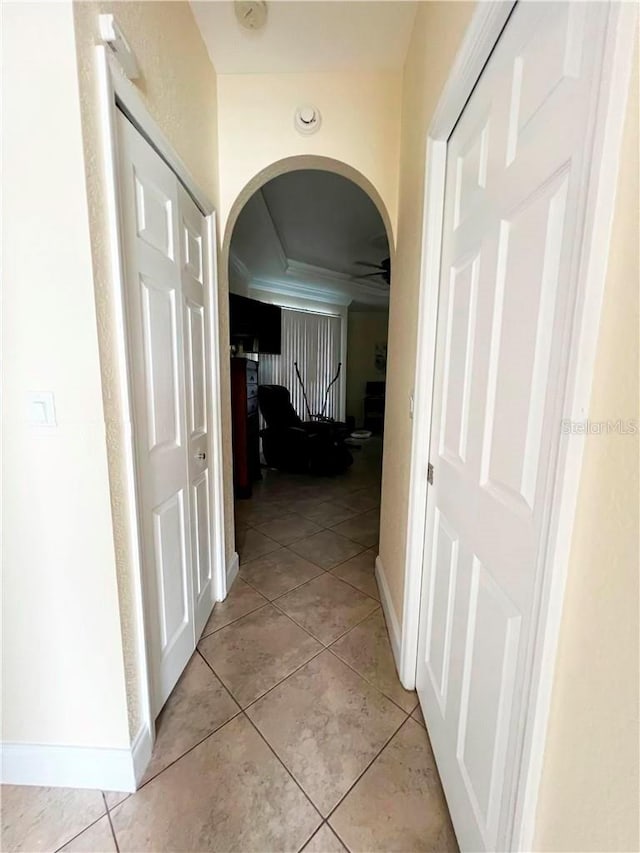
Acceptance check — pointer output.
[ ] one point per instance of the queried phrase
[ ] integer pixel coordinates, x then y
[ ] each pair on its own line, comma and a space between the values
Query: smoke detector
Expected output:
251, 14
307, 119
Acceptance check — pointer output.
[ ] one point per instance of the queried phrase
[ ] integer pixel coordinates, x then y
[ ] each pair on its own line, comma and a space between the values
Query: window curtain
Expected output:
313, 340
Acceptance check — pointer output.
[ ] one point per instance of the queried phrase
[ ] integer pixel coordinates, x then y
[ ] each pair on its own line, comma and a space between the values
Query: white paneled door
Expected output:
514, 206
163, 233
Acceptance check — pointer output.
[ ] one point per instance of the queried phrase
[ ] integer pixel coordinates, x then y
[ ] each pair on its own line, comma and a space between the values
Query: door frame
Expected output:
487, 23
117, 92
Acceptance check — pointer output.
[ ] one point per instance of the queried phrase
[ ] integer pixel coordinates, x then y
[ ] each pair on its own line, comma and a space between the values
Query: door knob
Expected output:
201, 455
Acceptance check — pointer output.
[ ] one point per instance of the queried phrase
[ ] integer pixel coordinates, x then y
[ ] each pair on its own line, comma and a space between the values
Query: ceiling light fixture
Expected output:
251, 14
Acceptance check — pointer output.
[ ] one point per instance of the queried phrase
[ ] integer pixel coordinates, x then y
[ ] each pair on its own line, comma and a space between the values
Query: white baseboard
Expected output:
101, 768
141, 749
390, 615
232, 570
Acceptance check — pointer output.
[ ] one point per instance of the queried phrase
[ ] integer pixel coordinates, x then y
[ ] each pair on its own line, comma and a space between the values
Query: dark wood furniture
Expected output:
245, 423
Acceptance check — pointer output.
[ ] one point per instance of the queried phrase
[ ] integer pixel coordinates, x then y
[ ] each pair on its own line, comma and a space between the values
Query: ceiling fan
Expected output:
382, 270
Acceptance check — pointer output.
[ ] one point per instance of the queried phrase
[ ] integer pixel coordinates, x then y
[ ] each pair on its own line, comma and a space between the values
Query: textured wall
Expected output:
590, 790
178, 85
437, 32
62, 669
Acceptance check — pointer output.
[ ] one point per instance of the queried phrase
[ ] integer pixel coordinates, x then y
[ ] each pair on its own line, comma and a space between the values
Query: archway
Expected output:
292, 164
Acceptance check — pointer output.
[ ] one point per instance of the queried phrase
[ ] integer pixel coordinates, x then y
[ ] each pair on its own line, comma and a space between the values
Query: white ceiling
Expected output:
307, 35
305, 230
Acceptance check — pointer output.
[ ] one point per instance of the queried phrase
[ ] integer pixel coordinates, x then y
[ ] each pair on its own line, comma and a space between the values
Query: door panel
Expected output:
193, 272
513, 203
163, 236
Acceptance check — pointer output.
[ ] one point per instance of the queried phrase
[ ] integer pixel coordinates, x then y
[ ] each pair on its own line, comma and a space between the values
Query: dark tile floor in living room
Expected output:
289, 730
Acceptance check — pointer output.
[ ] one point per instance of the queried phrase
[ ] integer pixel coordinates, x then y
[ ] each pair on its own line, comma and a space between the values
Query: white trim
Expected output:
116, 89
484, 30
69, 766
390, 615
218, 549
110, 178
141, 749
232, 570
136, 111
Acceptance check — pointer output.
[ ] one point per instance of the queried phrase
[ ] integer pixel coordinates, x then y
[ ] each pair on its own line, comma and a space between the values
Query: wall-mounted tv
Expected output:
255, 326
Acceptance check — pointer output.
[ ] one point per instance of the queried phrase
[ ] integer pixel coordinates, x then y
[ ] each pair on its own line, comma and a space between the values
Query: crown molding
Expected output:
301, 290
240, 267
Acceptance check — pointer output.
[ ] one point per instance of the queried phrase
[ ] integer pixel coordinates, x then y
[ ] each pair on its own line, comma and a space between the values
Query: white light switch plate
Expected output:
41, 411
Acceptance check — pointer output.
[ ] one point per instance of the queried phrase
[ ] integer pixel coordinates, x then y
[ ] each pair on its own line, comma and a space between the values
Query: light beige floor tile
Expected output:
257, 651
360, 571
288, 529
252, 512
328, 513
324, 841
327, 549
198, 705
362, 500
326, 724
366, 648
398, 804
326, 607
36, 819
113, 798
242, 599
96, 839
251, 544
228, 794
363, 528
278, 572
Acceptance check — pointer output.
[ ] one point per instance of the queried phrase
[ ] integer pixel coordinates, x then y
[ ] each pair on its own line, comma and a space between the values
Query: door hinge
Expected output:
430, 474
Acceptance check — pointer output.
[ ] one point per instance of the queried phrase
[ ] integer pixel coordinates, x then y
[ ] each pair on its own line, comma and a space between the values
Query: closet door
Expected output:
151, 227
194, 273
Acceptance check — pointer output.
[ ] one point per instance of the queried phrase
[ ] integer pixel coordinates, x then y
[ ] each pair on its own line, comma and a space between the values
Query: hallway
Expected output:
289, 729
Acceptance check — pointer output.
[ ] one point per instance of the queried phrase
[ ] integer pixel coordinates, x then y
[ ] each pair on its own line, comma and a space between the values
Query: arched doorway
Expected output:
312, 237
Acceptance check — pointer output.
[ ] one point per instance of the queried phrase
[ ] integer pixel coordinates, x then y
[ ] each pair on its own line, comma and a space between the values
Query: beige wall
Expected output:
589, 796
589, 793
437, 32
360, 129
360, 126
63, 677
365, 330
70, 659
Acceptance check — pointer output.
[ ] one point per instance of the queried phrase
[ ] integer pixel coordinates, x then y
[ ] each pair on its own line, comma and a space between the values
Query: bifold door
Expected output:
514, 207
163, 235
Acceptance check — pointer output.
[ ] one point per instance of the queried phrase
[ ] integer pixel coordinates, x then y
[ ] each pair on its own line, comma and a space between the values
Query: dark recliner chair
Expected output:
301, 447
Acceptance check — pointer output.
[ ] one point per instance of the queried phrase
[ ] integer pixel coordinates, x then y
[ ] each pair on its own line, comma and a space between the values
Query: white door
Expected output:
162, 232
514, 203
193, 265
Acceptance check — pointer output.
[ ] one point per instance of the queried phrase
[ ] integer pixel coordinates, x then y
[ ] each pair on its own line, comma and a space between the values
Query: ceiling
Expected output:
305, 231
306, 35
326, 220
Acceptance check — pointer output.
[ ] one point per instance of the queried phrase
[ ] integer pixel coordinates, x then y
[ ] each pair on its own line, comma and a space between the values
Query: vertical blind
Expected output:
313, 340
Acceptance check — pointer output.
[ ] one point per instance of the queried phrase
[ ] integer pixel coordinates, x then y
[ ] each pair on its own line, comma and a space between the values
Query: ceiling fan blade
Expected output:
367, 264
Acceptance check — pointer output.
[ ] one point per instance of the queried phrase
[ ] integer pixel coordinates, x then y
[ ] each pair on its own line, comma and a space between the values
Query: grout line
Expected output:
320, 815
375, 758
308, 630
113, 831
85, 828
233, 621
364, 678
282, 680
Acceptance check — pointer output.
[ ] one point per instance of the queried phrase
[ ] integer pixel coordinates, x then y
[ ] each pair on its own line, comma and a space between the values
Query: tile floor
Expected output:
289, 729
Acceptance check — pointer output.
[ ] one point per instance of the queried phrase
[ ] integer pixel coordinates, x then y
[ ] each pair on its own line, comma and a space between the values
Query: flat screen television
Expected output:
255, 326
